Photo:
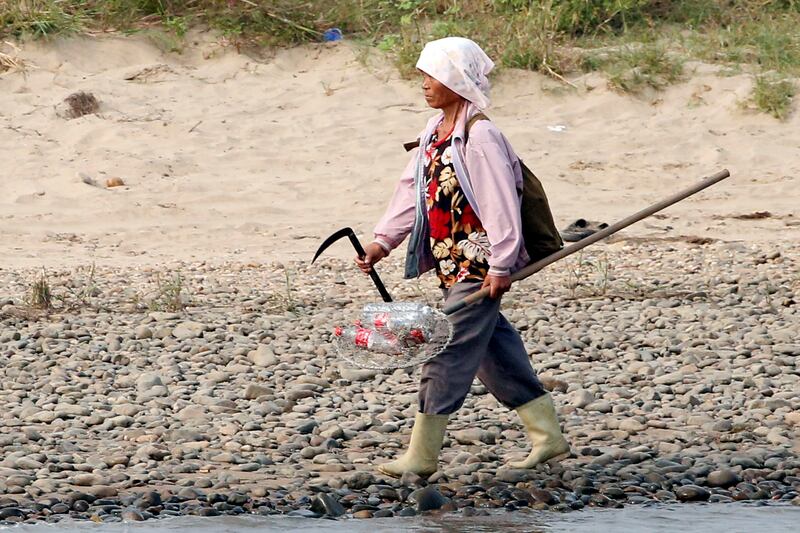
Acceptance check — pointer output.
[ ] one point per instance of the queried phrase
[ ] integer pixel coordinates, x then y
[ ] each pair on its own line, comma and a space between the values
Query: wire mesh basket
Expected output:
393, 335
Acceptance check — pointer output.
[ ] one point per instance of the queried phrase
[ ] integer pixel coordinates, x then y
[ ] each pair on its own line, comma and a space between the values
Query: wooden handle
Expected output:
376, 279
593, 238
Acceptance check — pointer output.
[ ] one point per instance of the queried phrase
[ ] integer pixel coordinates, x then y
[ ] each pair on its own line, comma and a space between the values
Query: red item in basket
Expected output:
416, 335
363, 336
381, 320
367, 338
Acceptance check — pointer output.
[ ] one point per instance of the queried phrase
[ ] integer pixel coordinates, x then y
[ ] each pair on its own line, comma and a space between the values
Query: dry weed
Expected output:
81, 103
40, 295
11, 62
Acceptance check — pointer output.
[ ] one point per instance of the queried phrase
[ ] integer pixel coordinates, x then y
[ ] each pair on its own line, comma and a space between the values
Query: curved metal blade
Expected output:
350, 234
344, 232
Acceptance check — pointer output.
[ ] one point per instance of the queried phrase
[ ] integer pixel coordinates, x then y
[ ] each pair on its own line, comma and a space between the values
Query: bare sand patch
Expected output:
225, 157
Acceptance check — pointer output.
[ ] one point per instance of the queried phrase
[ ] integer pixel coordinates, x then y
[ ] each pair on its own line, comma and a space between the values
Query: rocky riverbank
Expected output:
674, 366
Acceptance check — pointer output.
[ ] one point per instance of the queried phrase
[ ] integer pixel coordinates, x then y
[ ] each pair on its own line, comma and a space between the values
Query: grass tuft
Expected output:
12, 62
40, 296
633, 69
773, 95
283, 302
169, 295
592, 274
81, 103
8, 62
80, 288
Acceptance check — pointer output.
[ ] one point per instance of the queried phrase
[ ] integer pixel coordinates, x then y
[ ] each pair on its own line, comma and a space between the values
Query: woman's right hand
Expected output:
373, 253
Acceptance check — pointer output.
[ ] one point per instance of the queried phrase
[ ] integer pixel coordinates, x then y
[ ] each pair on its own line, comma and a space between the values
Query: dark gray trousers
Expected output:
484, 344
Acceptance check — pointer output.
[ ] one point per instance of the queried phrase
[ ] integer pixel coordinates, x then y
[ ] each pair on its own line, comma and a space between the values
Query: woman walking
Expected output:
458, 201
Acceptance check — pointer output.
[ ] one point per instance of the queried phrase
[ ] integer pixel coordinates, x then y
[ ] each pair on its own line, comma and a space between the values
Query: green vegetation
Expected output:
283, 302
772, 95
40, 296
633, 67
63, 291
640, 44
169, 295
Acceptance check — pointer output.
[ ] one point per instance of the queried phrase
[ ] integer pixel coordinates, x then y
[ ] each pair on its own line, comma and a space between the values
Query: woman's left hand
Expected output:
498, 285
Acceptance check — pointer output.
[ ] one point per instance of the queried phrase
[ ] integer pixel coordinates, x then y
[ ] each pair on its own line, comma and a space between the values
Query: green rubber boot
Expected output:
422, 457
539, 417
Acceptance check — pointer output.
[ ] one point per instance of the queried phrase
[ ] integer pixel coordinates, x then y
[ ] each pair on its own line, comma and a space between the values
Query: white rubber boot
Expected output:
539, 417
422, 457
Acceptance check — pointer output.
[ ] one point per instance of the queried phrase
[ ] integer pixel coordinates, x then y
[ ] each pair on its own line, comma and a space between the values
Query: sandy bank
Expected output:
228, 158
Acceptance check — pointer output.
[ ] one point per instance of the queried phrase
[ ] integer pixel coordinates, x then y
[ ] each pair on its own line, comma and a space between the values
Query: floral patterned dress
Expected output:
458, 241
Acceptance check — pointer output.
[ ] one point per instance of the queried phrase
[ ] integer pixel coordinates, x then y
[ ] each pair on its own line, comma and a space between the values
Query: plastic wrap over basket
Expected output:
393, 335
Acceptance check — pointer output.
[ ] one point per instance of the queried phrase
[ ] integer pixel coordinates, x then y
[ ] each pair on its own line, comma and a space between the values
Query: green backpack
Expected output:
538, 228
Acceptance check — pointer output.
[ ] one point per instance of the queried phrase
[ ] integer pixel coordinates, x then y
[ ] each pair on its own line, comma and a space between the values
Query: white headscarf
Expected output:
461, 66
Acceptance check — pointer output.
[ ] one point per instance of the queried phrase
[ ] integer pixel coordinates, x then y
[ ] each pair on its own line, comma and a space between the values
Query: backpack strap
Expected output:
471, 122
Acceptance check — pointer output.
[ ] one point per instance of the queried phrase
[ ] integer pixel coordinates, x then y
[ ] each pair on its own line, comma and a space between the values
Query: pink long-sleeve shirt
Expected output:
491, 181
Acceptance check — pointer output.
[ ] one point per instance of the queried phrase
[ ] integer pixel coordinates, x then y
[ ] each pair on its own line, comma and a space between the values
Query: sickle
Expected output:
350, 234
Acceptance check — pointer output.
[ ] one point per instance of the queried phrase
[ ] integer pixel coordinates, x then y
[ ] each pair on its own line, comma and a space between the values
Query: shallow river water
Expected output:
700, 518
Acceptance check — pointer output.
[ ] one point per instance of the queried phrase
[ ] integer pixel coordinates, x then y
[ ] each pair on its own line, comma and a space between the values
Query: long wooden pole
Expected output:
591, 239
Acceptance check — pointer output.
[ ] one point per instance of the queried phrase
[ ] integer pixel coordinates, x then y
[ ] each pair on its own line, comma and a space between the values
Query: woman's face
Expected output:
436, 94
